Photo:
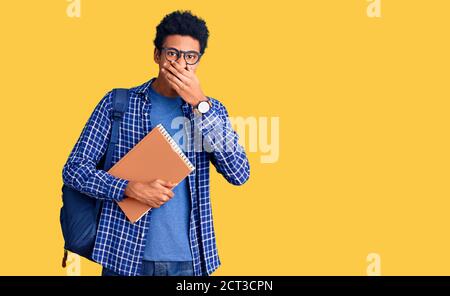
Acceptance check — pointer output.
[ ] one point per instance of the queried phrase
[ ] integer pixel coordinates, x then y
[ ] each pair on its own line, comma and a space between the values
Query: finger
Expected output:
177, 84
186, 80
164, 198
161, 182
168, 184
166, 192
161, 199
169, 68
182, 70
166, 69
189, 72
172, 184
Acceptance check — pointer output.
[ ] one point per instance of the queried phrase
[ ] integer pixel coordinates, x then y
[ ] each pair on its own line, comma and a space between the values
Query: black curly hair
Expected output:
182, 23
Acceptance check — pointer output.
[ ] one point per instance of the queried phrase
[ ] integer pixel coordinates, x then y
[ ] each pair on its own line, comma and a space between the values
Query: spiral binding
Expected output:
175, 146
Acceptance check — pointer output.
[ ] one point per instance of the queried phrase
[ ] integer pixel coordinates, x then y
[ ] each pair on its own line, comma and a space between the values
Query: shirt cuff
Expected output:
211, 118
116, 189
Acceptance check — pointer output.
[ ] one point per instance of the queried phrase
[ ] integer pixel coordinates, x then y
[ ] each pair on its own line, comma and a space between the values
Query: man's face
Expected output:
181, 43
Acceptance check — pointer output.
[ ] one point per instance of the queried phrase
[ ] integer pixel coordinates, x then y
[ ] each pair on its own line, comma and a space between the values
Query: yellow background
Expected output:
363, 106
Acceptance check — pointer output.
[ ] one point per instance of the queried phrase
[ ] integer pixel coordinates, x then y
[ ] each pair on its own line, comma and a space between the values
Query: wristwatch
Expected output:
204, 106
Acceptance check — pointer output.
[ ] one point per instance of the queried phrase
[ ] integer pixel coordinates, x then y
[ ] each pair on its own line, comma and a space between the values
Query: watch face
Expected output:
203, 107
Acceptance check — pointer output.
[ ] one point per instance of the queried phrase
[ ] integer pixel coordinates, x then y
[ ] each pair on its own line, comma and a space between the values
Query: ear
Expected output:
156, 55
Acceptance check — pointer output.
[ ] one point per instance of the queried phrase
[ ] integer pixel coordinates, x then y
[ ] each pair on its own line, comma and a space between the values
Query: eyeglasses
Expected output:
191, 57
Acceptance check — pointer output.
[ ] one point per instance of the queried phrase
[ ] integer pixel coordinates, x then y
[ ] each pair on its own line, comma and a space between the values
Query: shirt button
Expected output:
142, 235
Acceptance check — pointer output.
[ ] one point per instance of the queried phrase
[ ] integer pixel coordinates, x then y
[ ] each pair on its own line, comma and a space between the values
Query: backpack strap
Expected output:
120, 106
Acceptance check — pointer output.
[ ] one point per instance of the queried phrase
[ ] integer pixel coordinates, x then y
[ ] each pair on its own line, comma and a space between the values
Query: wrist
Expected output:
199, 100
129, 190
203, 106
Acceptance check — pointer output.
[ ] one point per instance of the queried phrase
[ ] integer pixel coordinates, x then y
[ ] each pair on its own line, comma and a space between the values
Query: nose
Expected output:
182, 61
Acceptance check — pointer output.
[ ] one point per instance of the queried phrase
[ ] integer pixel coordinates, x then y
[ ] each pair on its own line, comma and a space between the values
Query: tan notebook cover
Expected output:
156, 156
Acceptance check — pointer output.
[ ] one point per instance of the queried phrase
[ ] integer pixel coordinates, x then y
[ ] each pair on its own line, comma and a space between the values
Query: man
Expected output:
177, 236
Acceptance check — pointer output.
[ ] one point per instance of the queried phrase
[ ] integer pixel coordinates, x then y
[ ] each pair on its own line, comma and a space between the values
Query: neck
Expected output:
161, 86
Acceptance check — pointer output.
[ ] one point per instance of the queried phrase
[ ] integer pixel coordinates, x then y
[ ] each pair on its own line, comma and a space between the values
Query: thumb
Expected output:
171, 184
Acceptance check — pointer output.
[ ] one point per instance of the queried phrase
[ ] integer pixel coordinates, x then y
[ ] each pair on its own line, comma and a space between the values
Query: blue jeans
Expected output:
161, 268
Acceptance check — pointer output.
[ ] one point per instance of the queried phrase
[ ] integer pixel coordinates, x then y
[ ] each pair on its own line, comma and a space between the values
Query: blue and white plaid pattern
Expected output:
119, 244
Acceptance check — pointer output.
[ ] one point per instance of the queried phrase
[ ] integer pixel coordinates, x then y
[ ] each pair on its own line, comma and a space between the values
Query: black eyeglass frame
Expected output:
179, 52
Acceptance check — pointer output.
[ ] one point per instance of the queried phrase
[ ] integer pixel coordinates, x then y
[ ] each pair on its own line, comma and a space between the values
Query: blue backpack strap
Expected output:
120, 106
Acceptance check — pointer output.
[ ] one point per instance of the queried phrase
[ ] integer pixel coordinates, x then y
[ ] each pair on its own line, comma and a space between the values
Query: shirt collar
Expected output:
143, 88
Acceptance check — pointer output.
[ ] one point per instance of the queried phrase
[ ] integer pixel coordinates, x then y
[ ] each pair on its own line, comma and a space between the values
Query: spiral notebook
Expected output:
156, 156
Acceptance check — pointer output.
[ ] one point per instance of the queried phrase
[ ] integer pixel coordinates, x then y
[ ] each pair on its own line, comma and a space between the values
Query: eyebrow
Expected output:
192, 50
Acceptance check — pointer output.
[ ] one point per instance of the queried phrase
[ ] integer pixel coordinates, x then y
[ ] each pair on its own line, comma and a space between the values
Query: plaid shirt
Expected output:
119, 244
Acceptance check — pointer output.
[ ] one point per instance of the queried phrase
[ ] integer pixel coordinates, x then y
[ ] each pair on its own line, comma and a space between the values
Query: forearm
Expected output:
82, 175
222, 142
